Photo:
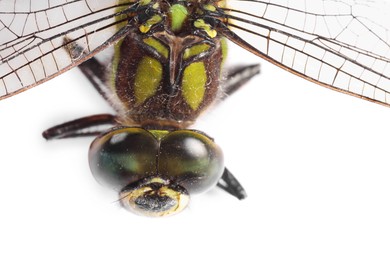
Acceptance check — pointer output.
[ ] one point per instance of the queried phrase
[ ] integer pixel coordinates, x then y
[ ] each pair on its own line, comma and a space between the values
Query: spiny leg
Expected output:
85, 126
237, 77
95, 73
92, 68
231, 185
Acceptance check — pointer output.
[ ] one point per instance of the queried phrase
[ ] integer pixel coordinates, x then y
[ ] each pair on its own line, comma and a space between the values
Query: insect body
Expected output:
166, 69
162, 87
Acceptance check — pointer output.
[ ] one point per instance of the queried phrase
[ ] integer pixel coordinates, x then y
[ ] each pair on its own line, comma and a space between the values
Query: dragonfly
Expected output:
159, 64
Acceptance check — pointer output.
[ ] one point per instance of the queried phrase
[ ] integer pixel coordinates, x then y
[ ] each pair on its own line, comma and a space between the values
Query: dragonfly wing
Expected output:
343, 45
37, 38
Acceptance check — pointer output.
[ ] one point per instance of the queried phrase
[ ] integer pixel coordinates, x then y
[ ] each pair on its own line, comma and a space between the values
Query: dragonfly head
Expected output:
155, 171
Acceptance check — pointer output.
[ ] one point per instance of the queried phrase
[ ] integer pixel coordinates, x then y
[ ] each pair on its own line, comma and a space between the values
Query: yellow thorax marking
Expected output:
209, 7
144, 2
195, 50
193, 84
155, 19
201, 24
157, 45
178, 14
147, 79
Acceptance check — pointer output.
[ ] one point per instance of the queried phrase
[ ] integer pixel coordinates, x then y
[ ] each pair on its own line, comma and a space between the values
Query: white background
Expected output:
315, 164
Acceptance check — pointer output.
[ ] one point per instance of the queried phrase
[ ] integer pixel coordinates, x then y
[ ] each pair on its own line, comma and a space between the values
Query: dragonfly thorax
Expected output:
178, 17
166, 71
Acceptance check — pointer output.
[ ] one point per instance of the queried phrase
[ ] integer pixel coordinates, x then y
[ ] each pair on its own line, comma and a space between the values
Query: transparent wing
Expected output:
37, 37
340, 44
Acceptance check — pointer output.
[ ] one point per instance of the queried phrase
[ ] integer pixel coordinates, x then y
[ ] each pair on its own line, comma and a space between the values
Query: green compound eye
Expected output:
192, 159
123, 156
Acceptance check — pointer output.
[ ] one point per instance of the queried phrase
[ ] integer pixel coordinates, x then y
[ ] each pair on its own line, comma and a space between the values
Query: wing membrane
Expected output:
37, 37
343, 45
340, 44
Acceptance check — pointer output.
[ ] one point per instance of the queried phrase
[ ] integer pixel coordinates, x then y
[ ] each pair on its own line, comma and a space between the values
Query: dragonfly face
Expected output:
165, 69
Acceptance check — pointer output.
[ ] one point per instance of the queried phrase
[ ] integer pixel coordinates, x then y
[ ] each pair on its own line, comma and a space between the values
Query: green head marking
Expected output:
159, 134
178, 14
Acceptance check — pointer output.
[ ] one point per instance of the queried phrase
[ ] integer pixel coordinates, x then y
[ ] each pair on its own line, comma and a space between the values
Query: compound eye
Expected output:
192, 159
123, 156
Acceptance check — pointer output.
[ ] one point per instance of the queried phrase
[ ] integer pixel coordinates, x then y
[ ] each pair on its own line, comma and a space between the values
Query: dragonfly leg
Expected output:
95, 73
92, 68
237, 77
230, 184
85, 126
